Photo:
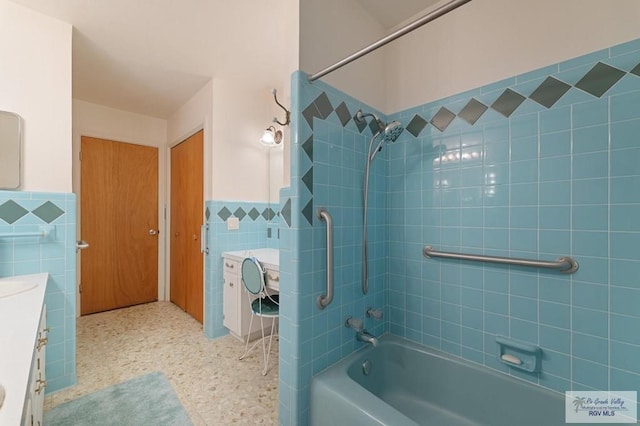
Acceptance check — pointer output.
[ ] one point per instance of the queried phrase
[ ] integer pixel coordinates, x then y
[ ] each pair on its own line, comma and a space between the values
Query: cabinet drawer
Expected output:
231, 266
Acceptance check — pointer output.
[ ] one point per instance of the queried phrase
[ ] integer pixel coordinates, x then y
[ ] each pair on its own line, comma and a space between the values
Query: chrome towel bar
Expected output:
44, 231
564, 264
324, 300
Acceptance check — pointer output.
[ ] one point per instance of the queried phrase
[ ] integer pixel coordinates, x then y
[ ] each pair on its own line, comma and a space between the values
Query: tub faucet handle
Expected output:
374, 313
355, 323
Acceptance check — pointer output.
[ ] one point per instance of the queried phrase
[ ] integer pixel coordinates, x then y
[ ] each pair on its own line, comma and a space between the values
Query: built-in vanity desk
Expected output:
236, 309
23, 339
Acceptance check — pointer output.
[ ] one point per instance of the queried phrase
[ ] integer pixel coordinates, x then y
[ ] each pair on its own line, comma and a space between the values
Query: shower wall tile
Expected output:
317, 338
22, 211
557, 174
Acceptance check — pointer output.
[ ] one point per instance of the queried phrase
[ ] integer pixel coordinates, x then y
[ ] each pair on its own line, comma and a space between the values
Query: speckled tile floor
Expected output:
212, 384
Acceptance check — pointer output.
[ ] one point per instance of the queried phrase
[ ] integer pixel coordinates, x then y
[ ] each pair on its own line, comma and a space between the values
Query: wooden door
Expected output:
187, 204
119, 220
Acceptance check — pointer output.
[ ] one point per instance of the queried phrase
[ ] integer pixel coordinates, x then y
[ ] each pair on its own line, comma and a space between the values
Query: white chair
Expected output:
263, 305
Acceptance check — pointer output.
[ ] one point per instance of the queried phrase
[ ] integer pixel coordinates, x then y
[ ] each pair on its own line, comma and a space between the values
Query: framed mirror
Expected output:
10, 150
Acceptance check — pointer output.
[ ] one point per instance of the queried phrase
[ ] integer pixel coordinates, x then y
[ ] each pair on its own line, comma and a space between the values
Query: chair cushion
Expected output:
268, 307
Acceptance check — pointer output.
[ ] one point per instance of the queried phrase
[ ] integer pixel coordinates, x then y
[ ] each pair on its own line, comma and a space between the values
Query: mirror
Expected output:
10, 150
276, 176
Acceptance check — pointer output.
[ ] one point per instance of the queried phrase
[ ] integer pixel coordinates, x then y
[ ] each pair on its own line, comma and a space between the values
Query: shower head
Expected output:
391, 133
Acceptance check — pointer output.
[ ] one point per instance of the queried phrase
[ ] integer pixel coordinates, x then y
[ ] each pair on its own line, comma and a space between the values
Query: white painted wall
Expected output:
122, 126
240, 164
489, 40
35, 82
331, 30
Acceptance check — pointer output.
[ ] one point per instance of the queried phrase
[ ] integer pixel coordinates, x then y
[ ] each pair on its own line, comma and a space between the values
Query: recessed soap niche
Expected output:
517, 354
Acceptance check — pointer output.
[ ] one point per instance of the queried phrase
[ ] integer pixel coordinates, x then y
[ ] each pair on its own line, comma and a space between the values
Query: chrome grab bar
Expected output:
324, 300
564, 264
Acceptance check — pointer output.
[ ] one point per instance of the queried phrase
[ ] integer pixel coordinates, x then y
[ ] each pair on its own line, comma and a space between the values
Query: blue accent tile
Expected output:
524, 126
625, 107
590, 191
624, 245
555, 193
594, 218
555, 168
555, 314
524, 171
624, 190
625, 134
588, 321
554, 289
591, 165
554, 217
592, 296
587, 114
625, 162
590, 374
589, 243
624, 380
625, 329
555, 339
624, 301
625, 356
624, 273
555, 120
589, 58
555, 144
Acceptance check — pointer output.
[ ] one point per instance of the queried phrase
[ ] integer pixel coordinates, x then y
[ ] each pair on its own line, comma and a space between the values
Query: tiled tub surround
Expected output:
25, 212
258, 229
536, 166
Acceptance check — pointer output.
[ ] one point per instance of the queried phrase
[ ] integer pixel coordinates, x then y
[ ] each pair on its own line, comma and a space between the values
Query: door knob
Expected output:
153, 232
81, 245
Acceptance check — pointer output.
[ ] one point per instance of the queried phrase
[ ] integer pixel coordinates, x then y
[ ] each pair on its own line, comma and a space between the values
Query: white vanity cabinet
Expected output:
33, 411
22, 367
236, 308
231, 294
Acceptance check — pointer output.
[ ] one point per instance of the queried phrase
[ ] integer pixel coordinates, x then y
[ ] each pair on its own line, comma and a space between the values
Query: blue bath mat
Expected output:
146, 400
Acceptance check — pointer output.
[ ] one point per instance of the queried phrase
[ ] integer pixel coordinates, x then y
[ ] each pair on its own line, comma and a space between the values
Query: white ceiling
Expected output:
150, 56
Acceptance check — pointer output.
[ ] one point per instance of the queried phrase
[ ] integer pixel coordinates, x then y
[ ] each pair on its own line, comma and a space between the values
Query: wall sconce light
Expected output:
272, 137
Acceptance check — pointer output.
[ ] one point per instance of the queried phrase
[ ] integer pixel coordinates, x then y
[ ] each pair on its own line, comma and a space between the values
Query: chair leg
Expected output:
246, 346
266, 362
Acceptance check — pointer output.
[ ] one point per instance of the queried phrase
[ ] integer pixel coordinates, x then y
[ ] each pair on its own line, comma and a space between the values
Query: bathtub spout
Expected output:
364, 336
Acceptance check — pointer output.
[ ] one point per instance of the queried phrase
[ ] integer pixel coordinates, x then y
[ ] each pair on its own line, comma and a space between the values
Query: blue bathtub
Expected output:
409, 384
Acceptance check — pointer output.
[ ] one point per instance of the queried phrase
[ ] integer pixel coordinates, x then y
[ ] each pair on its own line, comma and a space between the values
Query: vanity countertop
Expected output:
19, 321
269, 257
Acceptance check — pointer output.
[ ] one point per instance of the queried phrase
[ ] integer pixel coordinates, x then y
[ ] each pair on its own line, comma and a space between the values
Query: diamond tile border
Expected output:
600, 78
252, 212
48, 212
10, 211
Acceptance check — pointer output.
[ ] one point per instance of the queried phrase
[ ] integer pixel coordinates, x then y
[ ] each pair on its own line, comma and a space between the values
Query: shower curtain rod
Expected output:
434, 14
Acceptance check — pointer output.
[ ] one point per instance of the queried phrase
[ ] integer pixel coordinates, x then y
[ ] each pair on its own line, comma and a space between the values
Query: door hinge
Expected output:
80, 288
80, 155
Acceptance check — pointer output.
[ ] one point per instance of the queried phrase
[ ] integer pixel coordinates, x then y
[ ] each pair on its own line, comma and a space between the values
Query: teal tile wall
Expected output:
25, 212
258, 221
551, 179
328, 160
